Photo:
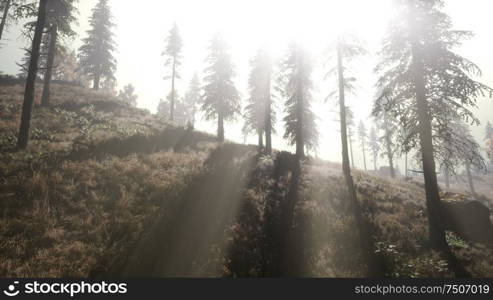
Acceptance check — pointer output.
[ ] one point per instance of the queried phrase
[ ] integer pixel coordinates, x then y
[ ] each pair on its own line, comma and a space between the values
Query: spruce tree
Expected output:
96, 54
424, 85
11, 11
295, 86
174, 45
60, 15
343, 52
259, 115
221, 99
27, 106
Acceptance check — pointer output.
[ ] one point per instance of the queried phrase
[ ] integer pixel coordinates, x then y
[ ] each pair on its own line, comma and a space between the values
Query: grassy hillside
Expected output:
106, 189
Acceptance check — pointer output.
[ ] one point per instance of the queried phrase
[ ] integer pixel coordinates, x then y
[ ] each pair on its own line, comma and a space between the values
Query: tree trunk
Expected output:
375, 157
434, 206
366, 240
470, 179
300, 139
29, 93
4, 18
388, 143
447, 177
351, 151
260, 140
45, 99
172, 104
364, 156
268, 123
220, 128
97, 80
406, 169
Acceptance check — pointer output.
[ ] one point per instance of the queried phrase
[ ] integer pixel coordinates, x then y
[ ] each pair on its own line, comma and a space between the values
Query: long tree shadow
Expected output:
180, 244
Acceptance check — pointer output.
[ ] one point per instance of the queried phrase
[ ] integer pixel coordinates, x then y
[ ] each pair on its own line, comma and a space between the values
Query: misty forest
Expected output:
147, 153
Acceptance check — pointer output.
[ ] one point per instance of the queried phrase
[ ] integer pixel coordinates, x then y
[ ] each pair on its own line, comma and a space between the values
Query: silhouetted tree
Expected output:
374, 146
259, 115
60, 15
221, 99
345, 50
12, 11
96, 53
127, 95
388, 127
350, 133
425, 83
192, 99
27, 105
363, 136
295, 86
174, 45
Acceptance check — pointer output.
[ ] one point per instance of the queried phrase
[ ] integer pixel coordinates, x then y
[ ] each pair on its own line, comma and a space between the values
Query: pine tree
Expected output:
259, 115
374, 146
221, 99
127, 95
27, 105
60, 15
96, 53
174, 45
425, 84
350, 134
363, 137
389, 127
345, 50
11, 11
192, 99
295, 86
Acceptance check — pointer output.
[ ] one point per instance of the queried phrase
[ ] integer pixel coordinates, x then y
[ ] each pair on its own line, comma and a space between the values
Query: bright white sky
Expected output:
143, 25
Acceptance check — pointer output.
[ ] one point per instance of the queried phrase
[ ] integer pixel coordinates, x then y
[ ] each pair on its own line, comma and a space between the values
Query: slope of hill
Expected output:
106, 189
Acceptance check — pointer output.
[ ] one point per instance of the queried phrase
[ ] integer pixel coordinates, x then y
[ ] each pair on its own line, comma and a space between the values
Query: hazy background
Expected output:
142, 27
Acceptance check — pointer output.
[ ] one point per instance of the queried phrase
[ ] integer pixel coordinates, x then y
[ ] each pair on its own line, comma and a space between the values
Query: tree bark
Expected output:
4, 18
470, 179
351, 151
433, 203
29, 93
260, 140
45, 99
220, 128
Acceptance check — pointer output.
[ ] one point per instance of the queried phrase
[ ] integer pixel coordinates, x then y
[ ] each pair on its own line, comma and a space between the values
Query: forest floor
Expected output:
109, 190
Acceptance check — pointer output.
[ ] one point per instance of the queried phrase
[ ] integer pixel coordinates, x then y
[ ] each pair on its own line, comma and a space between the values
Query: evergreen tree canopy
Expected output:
96, 53
258, 111
295, 86
449, 90
221, 99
